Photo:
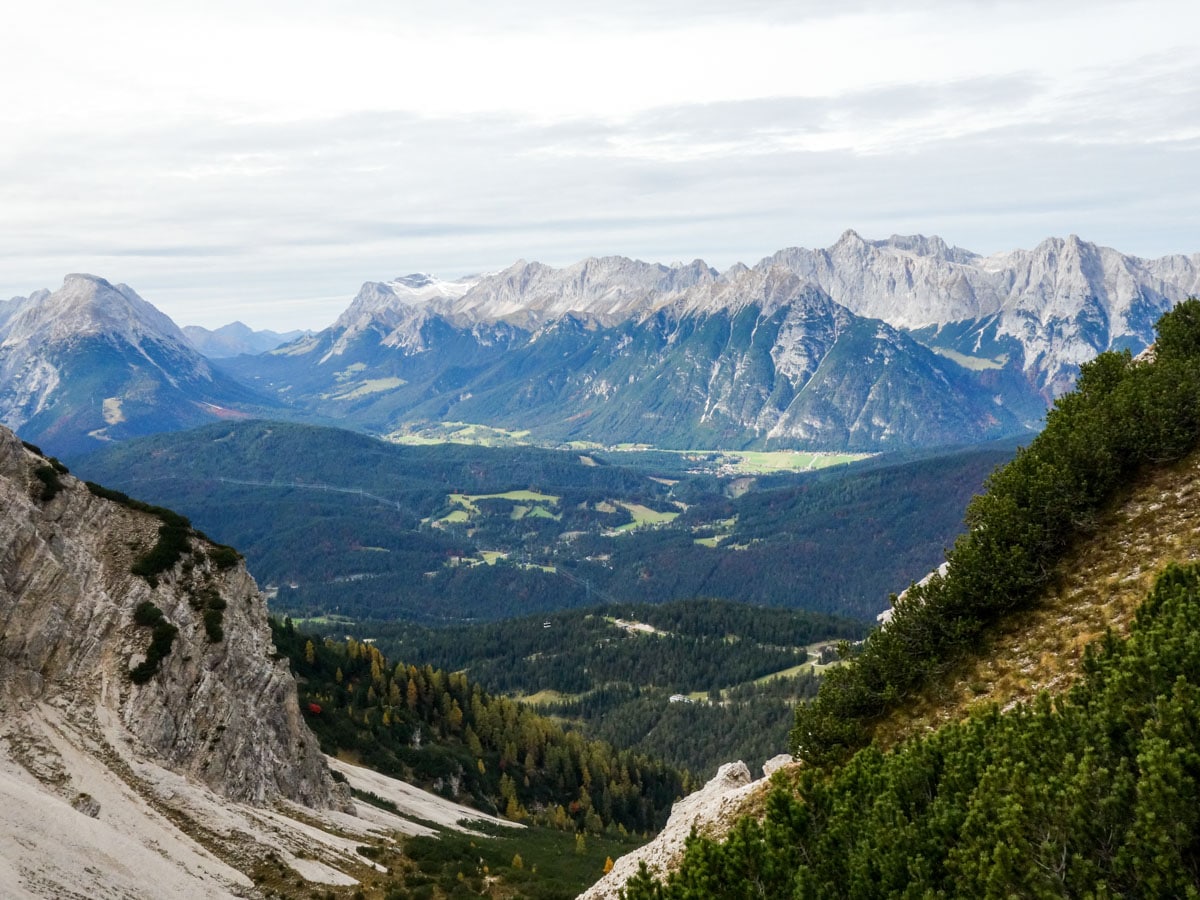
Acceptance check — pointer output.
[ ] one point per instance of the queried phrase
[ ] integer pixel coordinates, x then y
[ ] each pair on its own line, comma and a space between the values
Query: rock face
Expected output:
710, 810
221, 712
1056, 306
609, 289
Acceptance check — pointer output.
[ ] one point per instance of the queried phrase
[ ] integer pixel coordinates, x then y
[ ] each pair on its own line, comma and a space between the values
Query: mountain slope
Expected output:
69, 601
94, 362
766, 360
833, 541
1052, 308
1094, 794
1094, 791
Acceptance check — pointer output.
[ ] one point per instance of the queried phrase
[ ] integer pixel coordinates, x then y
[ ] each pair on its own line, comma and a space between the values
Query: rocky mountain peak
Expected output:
374, 299
89, 305
388, 304
849, 238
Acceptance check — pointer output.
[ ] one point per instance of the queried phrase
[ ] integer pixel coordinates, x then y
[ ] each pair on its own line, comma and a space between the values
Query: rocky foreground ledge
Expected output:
711, 811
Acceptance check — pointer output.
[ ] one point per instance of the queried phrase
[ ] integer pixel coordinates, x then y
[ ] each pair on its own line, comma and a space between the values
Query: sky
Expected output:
261, 160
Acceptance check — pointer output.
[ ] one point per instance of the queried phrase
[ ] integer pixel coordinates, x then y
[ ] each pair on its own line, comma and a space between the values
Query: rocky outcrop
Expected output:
220, 711
710, 811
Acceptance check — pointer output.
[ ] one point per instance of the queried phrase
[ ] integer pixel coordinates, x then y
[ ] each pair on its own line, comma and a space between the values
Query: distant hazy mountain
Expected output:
94, 362
235, 339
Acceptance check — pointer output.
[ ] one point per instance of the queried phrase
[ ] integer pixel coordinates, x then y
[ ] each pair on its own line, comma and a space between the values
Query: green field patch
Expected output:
366, 388
722, 530
373, 549
529, 503
490, 556
323, 621
644, 517
458, 433
790, 672
531, 496
350, 371
765, 462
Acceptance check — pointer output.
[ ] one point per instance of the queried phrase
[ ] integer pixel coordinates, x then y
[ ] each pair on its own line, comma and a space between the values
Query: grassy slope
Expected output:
1098, 586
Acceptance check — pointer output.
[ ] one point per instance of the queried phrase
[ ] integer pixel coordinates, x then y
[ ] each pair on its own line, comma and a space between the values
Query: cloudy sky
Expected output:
259, 160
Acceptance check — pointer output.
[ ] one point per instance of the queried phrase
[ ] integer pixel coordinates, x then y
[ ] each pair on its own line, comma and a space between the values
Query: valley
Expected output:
456, 533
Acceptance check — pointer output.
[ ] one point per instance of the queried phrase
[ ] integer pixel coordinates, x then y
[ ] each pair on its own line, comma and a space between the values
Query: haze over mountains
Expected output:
235, 339
865, 345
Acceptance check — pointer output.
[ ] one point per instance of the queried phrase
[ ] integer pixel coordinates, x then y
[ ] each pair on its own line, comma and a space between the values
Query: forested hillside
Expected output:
444, 732
614, 668
451, 532
1124, 416
1094, 793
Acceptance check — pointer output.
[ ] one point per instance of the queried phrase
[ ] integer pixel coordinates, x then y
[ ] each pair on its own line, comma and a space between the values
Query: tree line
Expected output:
707, 644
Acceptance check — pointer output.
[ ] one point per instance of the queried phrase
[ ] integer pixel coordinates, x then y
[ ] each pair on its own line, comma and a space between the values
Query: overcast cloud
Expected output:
260, 160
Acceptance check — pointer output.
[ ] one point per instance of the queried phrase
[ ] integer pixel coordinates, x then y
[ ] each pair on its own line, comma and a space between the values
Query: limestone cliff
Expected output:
221, 711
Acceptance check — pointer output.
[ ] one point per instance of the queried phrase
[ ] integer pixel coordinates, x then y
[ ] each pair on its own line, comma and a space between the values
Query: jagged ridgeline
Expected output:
444, 732
1095, 793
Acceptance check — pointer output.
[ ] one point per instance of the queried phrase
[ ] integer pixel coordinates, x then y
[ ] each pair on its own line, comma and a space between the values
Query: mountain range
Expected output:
865, 345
